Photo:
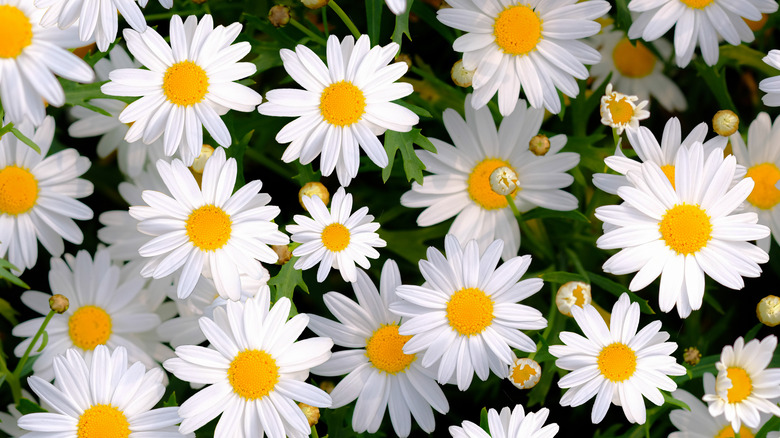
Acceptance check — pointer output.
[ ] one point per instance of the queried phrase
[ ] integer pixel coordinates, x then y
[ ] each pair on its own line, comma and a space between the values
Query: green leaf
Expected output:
237, 150
543, 213
405, 141
422, 112
287, 280
5, 268
410, 244
267, 55
772, 425
561, 277
26, 406
305, 173
171, 402
374, 18
623, 21
483, 420
743, 55
674, 402
402, 26
618, 289
8, 312
44, 341
24, 139
715, 79
753, 332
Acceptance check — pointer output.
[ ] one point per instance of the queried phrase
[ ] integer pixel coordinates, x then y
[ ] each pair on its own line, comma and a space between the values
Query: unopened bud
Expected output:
314, 4
312, 413
525, 373
327, 386
283, 251
406, 59
768, 310
539, 145
59, 303
206, 151
503, 180
279, 15
573, 293
692, 356
725, 122
460, 76
314, 189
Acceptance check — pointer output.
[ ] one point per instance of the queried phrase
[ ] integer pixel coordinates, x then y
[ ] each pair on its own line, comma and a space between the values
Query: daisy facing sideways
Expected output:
699, 423
621, 112
514, 423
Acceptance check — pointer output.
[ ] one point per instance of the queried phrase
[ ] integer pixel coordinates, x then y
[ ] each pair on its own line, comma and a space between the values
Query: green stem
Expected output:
325, 22
314, 433
273, 165
343, 15
526, 232
23, 360
550, 323
314, 37
575, 260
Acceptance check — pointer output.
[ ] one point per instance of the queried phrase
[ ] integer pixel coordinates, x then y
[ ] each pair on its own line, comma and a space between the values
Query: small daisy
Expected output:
524, 373
101, 397
38, 195
189, 84
255, 368
509, 424
379, 374
467, 315
771, 86
346, 103
620, 111
460, 184
514, 45
683, 231
335, 238
616, 364
698, 423
744, 386
697, 22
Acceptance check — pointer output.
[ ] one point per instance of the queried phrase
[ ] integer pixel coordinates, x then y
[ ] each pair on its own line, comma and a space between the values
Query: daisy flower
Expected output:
616, 364
255, 368
398, 7
460, 184
189, 84
683, 231
771, 86
101, 396
335, 238
697, 22
744, 386
698, 423
619, 111
467, 315
534, 46
379, 374
38, 195
514, 423
346, 103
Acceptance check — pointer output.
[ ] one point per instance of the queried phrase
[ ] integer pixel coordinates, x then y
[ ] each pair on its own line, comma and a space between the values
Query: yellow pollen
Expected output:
342, 104
479, 188
469, 311
741, 385
620, 110
15, 31
697, 4
103, 421
617, 362
578, 296
633, 61
209, 228
89, 326
18, 190
253, 374
764, 194
685, 228
335, 237
185, 83
522, 373
518, 29
728, 432
385, 350
668, 170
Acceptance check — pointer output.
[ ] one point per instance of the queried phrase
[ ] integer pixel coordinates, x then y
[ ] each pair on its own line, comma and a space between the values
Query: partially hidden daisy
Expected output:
514, 423
378, 372
771, 86
187, 86
536, 47
335, 238
620, 111
255, 368
685, 230
460, 182
699, 423
616, 364
207, 230
467, 314
344, 104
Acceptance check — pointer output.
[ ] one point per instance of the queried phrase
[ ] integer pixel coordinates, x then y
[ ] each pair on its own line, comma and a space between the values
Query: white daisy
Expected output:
255, 368
101, 397
207, 231
771, 86
509, 424
514, 44
698, 423
460, 184
398, 7
103, 311
346, 103
189, 84
620, 112
379, 374
335, 238
38, 195
697, 22
744, 386
685, 231
616, 364
467, 315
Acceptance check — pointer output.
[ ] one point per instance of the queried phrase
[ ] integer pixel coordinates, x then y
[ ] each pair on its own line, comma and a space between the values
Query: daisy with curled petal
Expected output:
101, 396
616, 364
698, 423
379, 374
38, 195
467, 315
620, 112
744, 386
771, 86
460, 184
187, 86
345, 104
534, 46
207, 230
683, 231
255, 368
335, 238
509, 424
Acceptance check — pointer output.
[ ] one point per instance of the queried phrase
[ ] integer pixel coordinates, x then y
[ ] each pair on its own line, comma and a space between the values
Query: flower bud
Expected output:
525, 373
279, 15
314, 189
314, 4
327, 386
725, 123
206, 151
59, 303
691, 356
573, 293
503, 180
284, 253
768, 310
312, 413
460, 76
539, 145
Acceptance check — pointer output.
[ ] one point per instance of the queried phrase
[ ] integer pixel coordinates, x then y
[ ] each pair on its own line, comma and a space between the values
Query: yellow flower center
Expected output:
518, 29
479, 184
620, 109
633, 61
697, 4
617, 362
342, 103
685, 228
18, 190
15, 31
103, 421
522, 373
469, 311
185, 83
728, 432
668, 170
89, 326
764, 194
253, 374
209, 228
741, 386
335, 237
385, 350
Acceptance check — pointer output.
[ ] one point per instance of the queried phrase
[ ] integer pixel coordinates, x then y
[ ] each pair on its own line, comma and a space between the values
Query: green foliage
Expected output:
5, 272
405, 141
26, 406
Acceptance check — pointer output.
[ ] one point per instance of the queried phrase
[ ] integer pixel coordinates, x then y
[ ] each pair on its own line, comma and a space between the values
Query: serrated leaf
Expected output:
287, 280
26, 406
543, 213
405, 141
402, 26
618, 289
171, 402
